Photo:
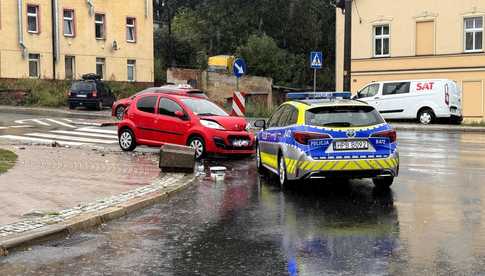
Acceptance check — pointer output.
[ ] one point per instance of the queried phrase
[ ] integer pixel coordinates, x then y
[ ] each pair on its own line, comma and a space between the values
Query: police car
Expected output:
327, 135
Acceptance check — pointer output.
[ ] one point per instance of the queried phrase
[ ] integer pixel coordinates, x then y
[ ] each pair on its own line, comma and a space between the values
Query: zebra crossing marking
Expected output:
60, 123
96, 130
87, 134
71, 138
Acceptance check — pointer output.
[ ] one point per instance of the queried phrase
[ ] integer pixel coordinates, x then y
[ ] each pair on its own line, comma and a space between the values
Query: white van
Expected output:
424, 100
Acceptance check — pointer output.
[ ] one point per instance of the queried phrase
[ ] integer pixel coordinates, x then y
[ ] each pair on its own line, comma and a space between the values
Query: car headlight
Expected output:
211, 124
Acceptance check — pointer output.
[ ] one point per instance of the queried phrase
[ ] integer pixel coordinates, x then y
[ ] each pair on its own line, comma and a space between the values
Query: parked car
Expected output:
90, 92
119, 106
154, 119
327, 135
425, 100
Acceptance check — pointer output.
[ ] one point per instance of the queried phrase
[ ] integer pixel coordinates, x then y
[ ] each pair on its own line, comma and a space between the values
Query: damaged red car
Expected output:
154, 119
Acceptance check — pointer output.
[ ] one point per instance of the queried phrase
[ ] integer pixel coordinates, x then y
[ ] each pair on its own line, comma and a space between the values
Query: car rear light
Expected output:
94, 93
303, 137
391, 134
447, 97
68, 93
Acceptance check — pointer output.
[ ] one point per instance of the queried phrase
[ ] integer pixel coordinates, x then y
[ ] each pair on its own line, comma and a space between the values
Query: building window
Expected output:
33, 19
99, 26
131, 29
381, 41
70, 67
34, 65
474, 34
100, 67
69, 29
131, 70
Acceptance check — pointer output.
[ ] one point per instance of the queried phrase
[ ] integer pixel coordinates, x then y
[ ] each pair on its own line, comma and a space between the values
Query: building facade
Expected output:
418, 39
64, 39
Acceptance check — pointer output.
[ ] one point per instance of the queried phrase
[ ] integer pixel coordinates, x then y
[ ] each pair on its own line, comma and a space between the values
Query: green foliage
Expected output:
287, 31
256, 109
7, 160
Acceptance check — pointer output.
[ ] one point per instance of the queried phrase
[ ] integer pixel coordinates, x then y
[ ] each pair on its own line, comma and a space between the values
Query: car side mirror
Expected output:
260, 124
356, 97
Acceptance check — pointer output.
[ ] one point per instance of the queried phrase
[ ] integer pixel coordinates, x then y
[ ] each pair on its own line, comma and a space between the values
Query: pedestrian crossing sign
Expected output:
316, 60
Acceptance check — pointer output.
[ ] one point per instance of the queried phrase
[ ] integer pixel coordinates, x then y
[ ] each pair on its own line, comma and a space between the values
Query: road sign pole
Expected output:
314, 80
237, 84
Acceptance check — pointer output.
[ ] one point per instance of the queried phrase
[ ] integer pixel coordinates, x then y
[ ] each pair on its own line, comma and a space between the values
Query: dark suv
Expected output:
90, 92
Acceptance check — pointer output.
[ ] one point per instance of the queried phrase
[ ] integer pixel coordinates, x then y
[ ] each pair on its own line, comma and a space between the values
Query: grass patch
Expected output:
7, 160
50, 93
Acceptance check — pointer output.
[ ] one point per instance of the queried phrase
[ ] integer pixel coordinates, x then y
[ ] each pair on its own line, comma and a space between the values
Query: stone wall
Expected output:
218, 86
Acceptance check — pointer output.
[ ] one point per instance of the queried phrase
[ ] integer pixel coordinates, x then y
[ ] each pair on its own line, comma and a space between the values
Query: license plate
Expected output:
81, 96
351, 145
240, 143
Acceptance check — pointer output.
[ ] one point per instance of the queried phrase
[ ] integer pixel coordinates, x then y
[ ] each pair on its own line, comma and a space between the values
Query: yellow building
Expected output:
418, 39
64, 39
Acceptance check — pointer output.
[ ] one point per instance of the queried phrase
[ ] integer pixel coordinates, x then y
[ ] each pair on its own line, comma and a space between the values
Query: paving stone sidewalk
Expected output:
166, 183
49, 180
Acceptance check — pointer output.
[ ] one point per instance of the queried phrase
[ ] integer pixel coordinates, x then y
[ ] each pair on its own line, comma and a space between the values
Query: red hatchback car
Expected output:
154, 119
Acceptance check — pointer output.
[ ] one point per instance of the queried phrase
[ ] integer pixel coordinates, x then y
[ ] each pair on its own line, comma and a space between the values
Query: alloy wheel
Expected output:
126, 140
198, 146
282, 172
425, 118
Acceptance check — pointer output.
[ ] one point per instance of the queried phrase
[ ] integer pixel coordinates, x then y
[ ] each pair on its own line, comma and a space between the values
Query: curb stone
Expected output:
91, 218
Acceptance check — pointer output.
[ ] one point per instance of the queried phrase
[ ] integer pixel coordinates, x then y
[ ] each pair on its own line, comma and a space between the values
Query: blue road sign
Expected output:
239, 67
316, 60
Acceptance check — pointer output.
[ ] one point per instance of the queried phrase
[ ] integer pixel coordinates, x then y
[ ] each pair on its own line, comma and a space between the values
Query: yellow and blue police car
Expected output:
327, 135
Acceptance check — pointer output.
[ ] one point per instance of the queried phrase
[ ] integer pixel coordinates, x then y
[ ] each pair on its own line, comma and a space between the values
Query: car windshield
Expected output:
343, 116
83, 86
203, 107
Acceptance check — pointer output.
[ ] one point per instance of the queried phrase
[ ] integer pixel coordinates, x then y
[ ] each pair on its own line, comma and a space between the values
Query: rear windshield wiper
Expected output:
343, 124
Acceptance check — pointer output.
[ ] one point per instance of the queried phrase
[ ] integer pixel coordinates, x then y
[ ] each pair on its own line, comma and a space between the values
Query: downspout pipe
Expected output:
91, 7
147, 9
20, 26
55, 36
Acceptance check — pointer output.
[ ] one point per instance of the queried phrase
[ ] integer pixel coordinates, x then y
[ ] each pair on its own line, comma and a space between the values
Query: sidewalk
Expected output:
57, 191
447, 128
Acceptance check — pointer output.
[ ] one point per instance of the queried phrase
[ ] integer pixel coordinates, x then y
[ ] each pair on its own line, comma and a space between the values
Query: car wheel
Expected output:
282, 174
127, 140
383, 182
198, 145
259, 162
72, 106
99, 106
426, 116
120, 111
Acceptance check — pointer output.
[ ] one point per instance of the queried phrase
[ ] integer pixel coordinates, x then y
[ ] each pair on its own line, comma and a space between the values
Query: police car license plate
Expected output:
351, 145
240, 143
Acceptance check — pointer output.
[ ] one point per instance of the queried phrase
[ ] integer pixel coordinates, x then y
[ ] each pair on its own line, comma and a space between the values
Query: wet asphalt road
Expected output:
431, 222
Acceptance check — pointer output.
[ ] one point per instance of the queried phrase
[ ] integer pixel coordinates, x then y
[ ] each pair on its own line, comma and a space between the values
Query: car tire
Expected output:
259, 162
282, 173
383, 182
119, 112
198, 144
426, 116
99, 106
127, 140
72, 106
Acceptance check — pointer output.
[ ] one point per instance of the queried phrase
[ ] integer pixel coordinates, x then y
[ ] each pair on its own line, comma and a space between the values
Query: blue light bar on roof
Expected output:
318, 95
